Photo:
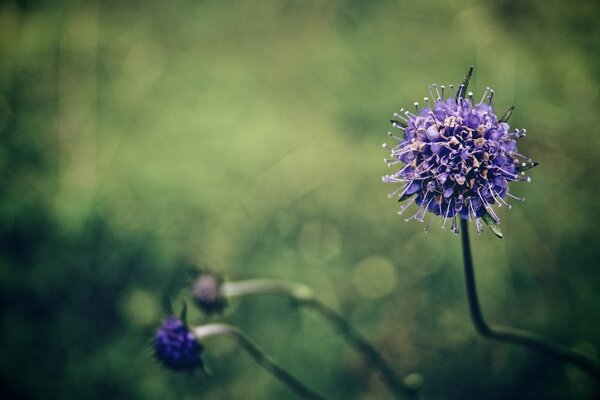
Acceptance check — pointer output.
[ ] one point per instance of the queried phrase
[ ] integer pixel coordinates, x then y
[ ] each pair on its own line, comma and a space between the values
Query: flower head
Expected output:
176, 346
207, 293
457, 157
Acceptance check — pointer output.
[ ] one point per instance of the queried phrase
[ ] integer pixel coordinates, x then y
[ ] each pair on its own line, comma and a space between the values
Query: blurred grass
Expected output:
245, 137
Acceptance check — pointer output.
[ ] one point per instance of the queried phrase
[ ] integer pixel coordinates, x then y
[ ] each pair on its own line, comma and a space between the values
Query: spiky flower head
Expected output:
176, 346
207, 293
457, 158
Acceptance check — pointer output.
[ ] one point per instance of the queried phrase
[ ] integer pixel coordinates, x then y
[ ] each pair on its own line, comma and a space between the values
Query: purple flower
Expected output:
176, 347
457, 158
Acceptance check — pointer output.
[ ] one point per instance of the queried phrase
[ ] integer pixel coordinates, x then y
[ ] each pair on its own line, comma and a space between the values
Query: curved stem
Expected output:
512, 335
259, 356
305, 297
399, 388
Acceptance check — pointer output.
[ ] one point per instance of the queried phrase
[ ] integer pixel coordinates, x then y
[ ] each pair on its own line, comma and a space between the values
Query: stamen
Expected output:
460, 90
505, 172
430, 91
522, 156
501, 199
454, 228
515, 197
406, 188
492, 192
390, 134
400, 116
402, 170
487, 206
396, 125
402, 145
479, 226
487, 89
437, 91
447, 107
517, 134
390, 195
472, 209
429, 224
409, 114
414, 216
404, 207
402, 151
447, 212
420, 219
392, 179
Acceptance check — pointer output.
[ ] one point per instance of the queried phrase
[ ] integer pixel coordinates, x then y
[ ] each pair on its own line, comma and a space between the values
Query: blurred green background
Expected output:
137, 137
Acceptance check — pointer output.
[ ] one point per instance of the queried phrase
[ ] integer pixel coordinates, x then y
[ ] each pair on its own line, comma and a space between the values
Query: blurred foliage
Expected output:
139, 137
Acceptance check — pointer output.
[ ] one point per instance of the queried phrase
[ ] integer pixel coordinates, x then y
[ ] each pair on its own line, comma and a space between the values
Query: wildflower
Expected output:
207, 293
176, 346
458, 158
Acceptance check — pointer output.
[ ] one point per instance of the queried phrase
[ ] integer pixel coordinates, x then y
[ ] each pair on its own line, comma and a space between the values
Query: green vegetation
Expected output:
137, 138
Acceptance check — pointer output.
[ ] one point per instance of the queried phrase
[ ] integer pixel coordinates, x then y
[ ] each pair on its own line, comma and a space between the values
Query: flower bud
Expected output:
176, 346
207, 293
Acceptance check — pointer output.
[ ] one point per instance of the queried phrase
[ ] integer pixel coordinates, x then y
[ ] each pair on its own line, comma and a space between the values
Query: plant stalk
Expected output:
204, 331
512, 335
304, 296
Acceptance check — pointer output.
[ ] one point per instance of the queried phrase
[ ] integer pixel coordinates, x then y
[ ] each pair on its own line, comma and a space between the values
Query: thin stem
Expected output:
259, 356
304, 296
399, 388
296, 291
512, 335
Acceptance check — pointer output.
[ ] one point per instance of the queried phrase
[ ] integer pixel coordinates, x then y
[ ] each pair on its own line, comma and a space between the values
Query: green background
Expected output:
138, 137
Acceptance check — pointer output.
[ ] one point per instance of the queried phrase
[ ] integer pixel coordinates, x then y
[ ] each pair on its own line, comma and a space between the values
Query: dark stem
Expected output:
304, 296
259, 356
399, 388
512, 335
276, 370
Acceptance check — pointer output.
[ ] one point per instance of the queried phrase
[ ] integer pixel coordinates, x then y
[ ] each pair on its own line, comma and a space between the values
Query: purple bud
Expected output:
176, 347
207, 293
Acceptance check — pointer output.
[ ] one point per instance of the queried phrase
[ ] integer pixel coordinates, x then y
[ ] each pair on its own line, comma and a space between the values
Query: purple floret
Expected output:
457, 157
176, 347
